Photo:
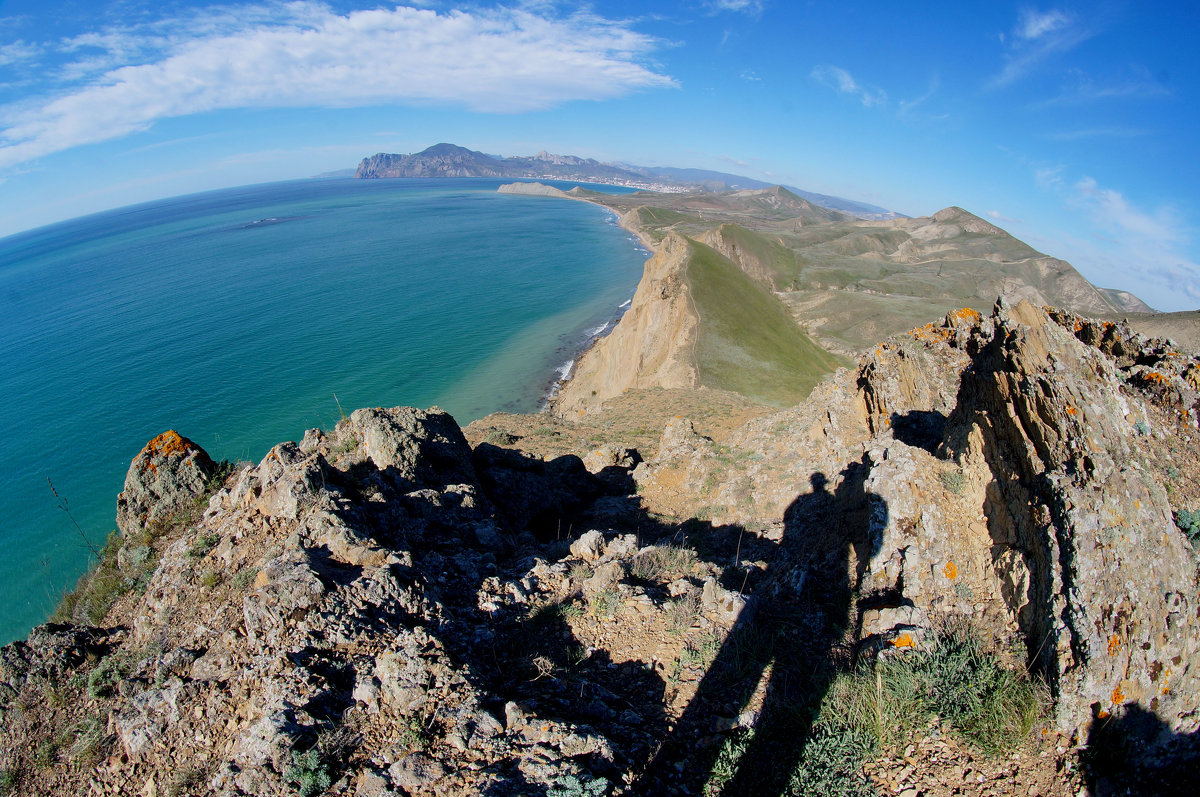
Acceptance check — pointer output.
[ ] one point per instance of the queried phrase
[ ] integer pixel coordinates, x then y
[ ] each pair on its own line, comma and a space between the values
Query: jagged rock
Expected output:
416, 771
726, 604
589, 547
1110, 581
284, 589
611, 456
148, 717
166, 476
414, 448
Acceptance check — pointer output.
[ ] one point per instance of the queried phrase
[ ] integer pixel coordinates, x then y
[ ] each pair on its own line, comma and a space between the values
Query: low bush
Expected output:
1188, 521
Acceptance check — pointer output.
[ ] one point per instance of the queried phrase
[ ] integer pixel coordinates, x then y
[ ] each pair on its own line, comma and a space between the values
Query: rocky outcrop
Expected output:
1014, 469
164, 478
650, 347
1093, 569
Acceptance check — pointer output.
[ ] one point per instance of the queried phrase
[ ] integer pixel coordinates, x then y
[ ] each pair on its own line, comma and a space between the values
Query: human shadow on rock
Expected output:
778, 661
1135, 753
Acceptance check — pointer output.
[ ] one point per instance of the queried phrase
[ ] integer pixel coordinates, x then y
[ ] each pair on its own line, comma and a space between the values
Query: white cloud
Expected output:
1037, 36
489, 61
745, 6
840, 80
1146, 253
18, 51
1036, 24
998, 216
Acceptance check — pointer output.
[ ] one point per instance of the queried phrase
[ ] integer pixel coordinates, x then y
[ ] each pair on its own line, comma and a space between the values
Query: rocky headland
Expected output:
961, 560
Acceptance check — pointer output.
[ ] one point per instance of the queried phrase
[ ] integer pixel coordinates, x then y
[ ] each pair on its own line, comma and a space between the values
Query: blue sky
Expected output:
1072, 125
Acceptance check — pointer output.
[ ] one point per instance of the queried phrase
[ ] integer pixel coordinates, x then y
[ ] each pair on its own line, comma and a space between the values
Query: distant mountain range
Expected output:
449, 160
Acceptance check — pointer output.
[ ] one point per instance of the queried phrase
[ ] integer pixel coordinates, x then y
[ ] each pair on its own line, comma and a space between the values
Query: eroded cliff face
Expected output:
653, 344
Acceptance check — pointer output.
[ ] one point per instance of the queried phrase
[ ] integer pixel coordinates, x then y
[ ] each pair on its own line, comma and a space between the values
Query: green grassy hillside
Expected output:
748, 341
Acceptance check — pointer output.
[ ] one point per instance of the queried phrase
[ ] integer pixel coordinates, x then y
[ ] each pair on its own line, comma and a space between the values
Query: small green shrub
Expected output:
202, 545
210, 579
308, 773
831, 764
8, 781
953, 480
956, 679
662, 563
498, 437
701, 652
244, 578
1188, 521
577, 786
102, 681
606, 602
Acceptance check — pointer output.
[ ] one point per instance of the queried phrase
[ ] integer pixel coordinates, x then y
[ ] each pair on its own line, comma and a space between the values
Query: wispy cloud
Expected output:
1037, 24
1049, 177
1037, 36
305, 55
1097, 132
998, 216
743, 6
18, 51
1080, 88
1146, 247
842, 81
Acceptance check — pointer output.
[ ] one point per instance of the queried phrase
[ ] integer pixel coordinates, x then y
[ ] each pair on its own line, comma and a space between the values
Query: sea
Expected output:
243, 317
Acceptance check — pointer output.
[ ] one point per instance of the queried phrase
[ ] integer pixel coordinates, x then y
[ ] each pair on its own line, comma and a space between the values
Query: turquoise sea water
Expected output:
235, 316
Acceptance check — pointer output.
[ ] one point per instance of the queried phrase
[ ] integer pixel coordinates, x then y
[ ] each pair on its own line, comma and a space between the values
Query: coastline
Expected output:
566, 370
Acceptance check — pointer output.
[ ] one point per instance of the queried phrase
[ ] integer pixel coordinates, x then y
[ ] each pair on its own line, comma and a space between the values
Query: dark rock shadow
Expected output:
790, 636
919, 428
1136, 753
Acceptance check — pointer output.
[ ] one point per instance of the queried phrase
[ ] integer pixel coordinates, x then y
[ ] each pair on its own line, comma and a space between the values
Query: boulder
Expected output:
165, 477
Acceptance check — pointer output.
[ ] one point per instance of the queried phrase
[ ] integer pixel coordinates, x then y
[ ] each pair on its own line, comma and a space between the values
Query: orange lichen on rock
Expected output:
168, 443
903, 641
967, 314
1114, 644
950, 571
1118, 697
1071, 410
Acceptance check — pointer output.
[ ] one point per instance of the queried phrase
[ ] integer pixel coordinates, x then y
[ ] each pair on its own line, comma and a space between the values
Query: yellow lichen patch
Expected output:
1114, 644
1071, 410
1118, 697
1102, 714
168, 443
950, 571
967, 314
1166, 677
903, 641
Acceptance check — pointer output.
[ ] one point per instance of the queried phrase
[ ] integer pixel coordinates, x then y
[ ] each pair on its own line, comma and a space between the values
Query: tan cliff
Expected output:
651, 346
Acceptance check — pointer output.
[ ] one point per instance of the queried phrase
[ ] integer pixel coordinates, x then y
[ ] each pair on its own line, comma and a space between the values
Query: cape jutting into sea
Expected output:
236, 316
